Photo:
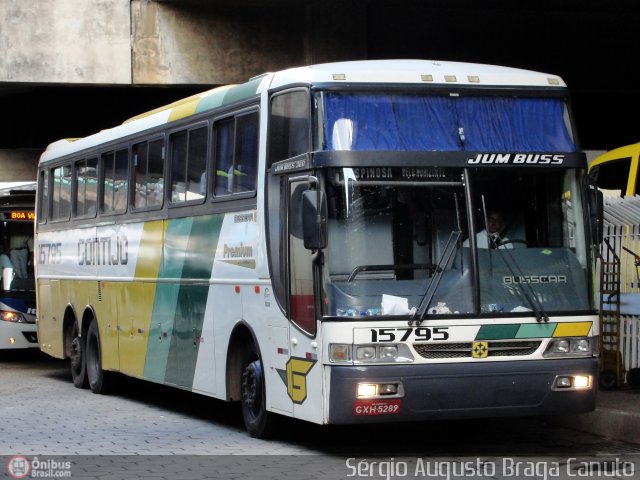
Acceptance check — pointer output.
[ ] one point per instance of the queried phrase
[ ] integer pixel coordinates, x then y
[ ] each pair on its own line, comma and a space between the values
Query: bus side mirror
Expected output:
596, 212
314, 219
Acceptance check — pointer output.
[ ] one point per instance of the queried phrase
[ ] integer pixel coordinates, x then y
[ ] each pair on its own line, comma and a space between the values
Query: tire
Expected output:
257, 420
633, 378
77, 359
608, 380
99, 380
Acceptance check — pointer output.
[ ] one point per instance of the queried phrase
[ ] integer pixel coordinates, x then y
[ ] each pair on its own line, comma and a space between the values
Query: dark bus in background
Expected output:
17, 284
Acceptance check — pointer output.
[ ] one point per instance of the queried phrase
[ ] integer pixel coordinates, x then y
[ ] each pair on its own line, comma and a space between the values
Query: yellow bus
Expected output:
616, 171
306, 243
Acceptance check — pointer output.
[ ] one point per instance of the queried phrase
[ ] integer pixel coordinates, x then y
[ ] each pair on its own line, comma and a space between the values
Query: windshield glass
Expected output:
399, 242
404, 121
393, 233
532, 255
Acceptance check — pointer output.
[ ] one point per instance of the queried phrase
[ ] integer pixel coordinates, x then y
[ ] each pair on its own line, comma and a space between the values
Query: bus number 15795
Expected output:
404, 334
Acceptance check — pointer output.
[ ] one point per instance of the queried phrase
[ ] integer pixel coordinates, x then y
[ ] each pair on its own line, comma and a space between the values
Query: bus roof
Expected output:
420, 72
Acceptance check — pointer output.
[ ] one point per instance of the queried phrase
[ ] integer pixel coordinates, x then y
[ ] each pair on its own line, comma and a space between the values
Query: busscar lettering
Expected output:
103, 250
516, 159
537, 279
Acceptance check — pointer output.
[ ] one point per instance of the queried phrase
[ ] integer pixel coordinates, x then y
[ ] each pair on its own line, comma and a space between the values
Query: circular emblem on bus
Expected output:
19, 467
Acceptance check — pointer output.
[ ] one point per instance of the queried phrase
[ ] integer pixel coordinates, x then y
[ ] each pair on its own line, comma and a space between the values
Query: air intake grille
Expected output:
497, 348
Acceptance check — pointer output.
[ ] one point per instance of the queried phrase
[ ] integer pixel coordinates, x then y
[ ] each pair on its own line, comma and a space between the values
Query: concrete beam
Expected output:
65, 41
221, 43
19, 165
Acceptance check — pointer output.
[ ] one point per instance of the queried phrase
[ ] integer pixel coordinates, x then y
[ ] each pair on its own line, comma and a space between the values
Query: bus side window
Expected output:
43, 202
188, 161
236, 154
223, 157
86, 182
288, 125
246, 157
149, 176
115, 175
61, 201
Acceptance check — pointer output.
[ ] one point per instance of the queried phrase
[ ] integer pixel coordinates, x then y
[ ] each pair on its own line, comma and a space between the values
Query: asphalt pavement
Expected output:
617, 416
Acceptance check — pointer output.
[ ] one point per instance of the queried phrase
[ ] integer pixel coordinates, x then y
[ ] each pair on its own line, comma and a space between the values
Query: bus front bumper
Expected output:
462, 390
18, 335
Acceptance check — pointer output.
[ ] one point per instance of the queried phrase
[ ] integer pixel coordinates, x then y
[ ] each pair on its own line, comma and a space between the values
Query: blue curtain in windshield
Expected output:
405, 122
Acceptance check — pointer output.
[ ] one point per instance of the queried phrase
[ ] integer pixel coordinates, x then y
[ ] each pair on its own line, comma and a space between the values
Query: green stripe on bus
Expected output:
161, 329
536, 330
243, 91
212, 101
497, 332
192, 300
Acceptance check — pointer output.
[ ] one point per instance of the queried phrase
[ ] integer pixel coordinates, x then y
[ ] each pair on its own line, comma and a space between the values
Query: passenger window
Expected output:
115, 174
289, 125
86, 187
61, 195
148, 161
236, 154
189, 162
43, 201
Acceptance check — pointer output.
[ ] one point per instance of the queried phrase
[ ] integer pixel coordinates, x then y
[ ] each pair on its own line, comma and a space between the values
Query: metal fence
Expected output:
622, 233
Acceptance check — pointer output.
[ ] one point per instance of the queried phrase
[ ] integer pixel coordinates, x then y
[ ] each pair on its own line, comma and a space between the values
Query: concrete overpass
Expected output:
71, 67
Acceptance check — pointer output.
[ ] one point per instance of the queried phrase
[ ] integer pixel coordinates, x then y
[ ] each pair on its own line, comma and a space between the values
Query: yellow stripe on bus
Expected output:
137, 299
576, 329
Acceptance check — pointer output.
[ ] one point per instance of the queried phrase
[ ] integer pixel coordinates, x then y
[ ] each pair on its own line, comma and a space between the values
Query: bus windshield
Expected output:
405, 121
400, 242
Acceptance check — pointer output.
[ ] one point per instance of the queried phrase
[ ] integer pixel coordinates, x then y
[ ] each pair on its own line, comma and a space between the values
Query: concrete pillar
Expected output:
65, 41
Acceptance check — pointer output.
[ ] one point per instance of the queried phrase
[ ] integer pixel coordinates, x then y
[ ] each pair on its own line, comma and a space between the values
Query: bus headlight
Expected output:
388, 353
15, 317
569, 347
572, 382
340, 353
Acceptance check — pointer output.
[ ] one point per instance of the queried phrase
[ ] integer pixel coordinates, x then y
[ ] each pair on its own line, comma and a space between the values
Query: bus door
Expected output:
304, 372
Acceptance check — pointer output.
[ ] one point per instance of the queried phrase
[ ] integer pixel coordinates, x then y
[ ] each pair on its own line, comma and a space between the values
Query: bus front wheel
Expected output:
99, 380
258, 421
77, 359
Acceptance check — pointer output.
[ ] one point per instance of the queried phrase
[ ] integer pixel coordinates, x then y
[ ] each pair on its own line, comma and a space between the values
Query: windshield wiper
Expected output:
449, 250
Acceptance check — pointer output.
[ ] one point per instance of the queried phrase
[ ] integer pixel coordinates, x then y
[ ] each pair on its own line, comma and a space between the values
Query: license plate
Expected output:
376, 407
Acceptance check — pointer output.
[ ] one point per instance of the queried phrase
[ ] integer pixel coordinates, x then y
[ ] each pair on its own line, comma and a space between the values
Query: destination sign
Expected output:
19, 215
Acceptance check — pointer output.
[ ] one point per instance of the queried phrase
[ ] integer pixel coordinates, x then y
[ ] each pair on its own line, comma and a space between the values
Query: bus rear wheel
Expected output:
258, 421
77, 359
99, 380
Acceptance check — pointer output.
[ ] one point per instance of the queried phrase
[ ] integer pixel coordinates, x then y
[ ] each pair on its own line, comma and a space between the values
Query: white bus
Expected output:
306, 243
17, 281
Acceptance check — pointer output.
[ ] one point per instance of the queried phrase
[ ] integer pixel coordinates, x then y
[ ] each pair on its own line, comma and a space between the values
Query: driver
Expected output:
490, 237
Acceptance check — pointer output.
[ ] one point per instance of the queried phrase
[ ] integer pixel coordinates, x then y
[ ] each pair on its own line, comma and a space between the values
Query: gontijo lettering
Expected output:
103, 250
